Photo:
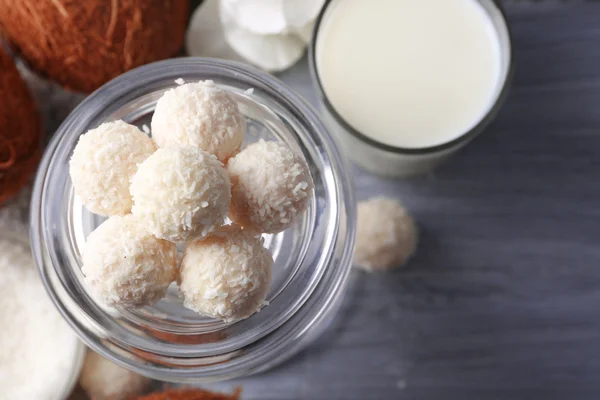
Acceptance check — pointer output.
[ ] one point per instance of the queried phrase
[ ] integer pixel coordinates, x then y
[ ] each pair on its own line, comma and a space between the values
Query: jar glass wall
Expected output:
312, 259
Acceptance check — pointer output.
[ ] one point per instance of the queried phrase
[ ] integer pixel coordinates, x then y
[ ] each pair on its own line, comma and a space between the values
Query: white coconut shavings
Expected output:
146, 129
104, 161
249, 91
271, 186
226, 276
179, 81
202, 115
181, 193
386, 235
125, 265
39, 352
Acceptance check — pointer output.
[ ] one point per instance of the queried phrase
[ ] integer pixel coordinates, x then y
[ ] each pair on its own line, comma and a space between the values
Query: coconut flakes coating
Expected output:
181, 193
386, 235
271, 187
202, 115
125, 265
227, 275
103, 163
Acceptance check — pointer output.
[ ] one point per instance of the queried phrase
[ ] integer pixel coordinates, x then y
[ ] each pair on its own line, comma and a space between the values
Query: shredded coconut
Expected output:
202, 115
271, 187
104, 161
181, 193
125, 265
386, 235
249, 91
146, 129
179, 81
226, 276
39, 353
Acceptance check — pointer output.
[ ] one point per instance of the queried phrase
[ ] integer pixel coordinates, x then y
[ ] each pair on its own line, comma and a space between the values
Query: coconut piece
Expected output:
202, 115
103, 163
386, 235
305, 32
20, 130
299, 13
227, 275
272, 52
83, 44
271, 187
104, 380
125, 265
181, 193
261, 17
205, 36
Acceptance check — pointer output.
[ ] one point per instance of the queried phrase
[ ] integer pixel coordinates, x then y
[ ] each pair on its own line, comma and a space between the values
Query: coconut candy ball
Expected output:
227, 275
125, 265
103, 163
202, 115
181, 193
104, 380
386, 235
271, 187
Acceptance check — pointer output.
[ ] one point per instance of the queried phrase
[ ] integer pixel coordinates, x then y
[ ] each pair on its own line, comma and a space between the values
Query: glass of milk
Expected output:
406, 83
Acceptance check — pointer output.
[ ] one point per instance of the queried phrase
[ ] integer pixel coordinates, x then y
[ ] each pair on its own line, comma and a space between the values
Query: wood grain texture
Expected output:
502, 301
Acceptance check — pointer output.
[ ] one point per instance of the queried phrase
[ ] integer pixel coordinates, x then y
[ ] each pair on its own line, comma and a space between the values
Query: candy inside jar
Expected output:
310, 258
181, 193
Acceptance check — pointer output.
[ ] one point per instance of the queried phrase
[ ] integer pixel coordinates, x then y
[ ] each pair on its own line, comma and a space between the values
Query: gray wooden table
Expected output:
503, 298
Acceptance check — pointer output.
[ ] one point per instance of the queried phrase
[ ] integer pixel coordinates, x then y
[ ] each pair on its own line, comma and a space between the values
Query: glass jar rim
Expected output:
497, 15
265, 351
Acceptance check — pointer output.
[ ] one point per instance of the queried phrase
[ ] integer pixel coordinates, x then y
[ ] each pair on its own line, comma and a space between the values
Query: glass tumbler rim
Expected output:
169, 363
496, 12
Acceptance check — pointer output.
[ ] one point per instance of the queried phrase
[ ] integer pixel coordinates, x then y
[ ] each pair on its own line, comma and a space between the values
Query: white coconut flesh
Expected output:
262, 17
270, 34
305, 32
205, 36
300, 13
272, 52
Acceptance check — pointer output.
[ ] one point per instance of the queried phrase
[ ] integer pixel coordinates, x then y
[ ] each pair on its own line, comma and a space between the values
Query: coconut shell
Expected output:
84, 44
20, 130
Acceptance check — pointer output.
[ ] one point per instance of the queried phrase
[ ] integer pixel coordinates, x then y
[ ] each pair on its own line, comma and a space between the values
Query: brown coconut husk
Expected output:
82, 44
20, 130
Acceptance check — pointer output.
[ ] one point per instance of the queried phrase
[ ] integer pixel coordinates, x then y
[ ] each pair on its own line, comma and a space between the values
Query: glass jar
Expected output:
390, 161
166, 341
